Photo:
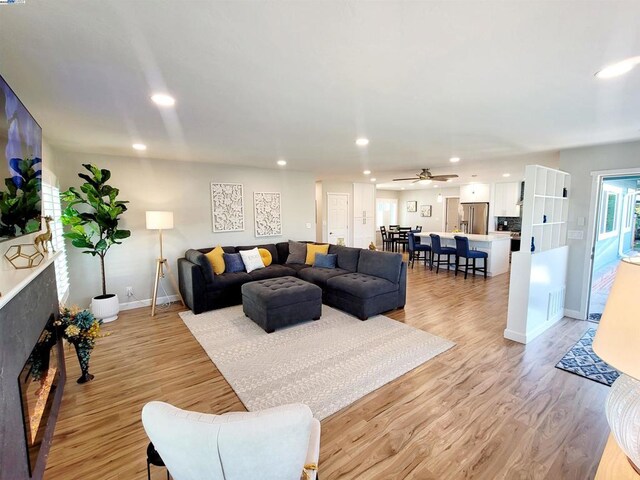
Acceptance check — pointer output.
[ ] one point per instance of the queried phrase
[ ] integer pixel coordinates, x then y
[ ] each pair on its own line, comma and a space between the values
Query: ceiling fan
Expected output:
425, 174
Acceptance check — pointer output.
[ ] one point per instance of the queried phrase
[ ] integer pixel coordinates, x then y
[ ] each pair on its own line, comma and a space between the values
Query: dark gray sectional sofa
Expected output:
364, 283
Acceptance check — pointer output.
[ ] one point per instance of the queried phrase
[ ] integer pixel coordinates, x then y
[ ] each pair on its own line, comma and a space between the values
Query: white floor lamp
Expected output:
617, 342
161, 221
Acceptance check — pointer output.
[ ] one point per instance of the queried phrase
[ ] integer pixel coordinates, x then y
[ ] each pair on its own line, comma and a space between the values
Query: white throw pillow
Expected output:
252, 259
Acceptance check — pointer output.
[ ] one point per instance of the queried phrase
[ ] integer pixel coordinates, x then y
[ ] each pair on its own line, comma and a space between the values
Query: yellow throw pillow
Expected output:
216, 259
266, 256
312, 250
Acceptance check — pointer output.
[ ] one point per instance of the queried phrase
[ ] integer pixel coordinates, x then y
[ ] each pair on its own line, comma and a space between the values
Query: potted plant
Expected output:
81, 329
94, 229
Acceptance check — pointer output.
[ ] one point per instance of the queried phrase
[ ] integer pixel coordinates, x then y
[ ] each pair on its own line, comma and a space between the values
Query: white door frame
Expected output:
348, 240
596, 185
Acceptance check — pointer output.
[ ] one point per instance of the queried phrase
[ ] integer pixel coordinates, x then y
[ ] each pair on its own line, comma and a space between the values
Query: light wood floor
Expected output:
488, 409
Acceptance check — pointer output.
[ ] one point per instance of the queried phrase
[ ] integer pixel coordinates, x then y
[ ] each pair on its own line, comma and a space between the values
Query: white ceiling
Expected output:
258, 81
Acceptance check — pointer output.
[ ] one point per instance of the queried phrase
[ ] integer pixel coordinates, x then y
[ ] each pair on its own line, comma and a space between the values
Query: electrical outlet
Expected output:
129, 291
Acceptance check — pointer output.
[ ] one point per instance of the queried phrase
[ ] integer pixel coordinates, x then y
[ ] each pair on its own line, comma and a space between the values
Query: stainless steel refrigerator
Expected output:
474, 218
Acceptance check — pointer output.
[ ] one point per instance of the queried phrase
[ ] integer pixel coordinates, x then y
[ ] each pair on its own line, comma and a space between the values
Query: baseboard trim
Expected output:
515, 336
147, 302
573, 314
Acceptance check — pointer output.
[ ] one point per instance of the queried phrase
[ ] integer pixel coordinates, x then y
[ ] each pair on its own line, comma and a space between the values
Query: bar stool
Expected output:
463, 251
438, 249
416, 248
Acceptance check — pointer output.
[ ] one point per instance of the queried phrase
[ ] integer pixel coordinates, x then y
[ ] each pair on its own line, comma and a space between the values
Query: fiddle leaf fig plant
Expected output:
94, 226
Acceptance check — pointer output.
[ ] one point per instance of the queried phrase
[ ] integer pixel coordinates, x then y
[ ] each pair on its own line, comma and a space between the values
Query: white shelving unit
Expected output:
545, 208
538, 278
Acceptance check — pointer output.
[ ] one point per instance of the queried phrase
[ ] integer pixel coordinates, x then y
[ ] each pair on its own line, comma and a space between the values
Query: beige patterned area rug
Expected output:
327, 364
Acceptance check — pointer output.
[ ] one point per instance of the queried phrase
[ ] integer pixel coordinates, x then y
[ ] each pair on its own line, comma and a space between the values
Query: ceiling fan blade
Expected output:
442, 178
403, 179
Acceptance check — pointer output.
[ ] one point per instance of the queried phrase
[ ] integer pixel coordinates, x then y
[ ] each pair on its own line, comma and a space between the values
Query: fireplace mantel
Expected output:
14, 281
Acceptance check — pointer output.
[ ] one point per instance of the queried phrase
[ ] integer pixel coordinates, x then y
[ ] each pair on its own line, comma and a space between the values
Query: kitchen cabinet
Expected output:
475, 192
364, 206
506, 196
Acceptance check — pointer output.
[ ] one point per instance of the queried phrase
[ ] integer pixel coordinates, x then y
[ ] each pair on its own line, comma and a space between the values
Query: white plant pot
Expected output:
105, 307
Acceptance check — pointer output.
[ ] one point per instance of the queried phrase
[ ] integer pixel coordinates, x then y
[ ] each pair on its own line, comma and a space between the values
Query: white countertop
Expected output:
13, 281
471, 236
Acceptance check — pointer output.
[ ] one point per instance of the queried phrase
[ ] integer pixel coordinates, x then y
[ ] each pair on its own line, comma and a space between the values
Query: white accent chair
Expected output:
273, 444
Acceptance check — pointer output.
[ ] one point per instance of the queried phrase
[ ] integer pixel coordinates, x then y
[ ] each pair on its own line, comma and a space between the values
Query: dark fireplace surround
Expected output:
22, 321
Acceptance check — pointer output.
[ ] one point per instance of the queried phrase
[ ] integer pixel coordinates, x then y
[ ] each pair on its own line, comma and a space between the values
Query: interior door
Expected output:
452, 217
338, 218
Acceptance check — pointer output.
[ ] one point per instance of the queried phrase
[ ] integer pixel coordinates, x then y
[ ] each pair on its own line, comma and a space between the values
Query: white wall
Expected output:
580, 162
429, 196
184, 188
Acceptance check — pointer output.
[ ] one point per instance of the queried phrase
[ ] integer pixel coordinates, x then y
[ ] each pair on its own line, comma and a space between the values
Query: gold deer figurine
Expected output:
42, 239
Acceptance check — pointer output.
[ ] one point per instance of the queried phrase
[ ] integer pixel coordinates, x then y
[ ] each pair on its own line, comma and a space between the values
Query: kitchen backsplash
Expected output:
514, 224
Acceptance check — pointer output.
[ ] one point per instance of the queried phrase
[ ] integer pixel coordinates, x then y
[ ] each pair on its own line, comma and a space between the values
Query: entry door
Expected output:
453, 216
338, 217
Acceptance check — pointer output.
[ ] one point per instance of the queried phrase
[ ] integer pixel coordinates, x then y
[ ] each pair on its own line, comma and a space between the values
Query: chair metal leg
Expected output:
485, 267
466, 267
457, 261
474, 267
148, 470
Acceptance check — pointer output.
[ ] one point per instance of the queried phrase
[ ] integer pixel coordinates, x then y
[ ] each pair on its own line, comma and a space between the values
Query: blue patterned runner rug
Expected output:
583, 361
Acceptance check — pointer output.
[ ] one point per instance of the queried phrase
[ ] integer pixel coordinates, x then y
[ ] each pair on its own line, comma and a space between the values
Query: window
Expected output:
52, 208
386, 212
609, 212
629, 209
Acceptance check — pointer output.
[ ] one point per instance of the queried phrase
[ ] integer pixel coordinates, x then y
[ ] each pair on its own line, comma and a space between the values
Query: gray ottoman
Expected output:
278, 302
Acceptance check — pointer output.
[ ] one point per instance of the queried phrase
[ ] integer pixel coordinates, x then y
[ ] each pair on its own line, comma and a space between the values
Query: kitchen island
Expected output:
496, 246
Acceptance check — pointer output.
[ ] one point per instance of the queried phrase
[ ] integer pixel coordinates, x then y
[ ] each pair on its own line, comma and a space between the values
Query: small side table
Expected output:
614, 464
153, 458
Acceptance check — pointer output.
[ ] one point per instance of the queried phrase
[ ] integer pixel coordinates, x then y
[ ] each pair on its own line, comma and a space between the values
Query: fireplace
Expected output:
38, 382
33, 373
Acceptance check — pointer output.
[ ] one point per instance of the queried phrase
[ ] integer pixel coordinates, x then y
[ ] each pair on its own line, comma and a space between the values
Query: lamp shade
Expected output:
159, 220
617, 340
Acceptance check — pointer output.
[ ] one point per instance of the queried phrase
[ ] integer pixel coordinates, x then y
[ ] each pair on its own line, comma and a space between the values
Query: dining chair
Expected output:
415, 249
437, 251
402, 239
463, 251
386, 240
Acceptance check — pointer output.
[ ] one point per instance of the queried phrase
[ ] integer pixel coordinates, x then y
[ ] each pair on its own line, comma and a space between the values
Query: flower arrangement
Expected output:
81, 329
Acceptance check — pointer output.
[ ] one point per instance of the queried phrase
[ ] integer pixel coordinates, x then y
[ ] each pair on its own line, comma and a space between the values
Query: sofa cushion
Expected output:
312, 249
297, 252
267, 258
233, 262
216, 260
380, 264
268, 246
229, 279
320, 276
197, 257
325, 260
272, 271
361, 285
225, 249
251, 259
296, 267
283, 251
347, 257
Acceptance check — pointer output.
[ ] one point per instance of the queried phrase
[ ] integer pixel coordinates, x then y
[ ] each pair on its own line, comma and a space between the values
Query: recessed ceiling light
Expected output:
362, 142
454, 159
435, 186
372, 179
619, 68
163, 99
139, 146
367, 172
402, 188
282, 163
506, 174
